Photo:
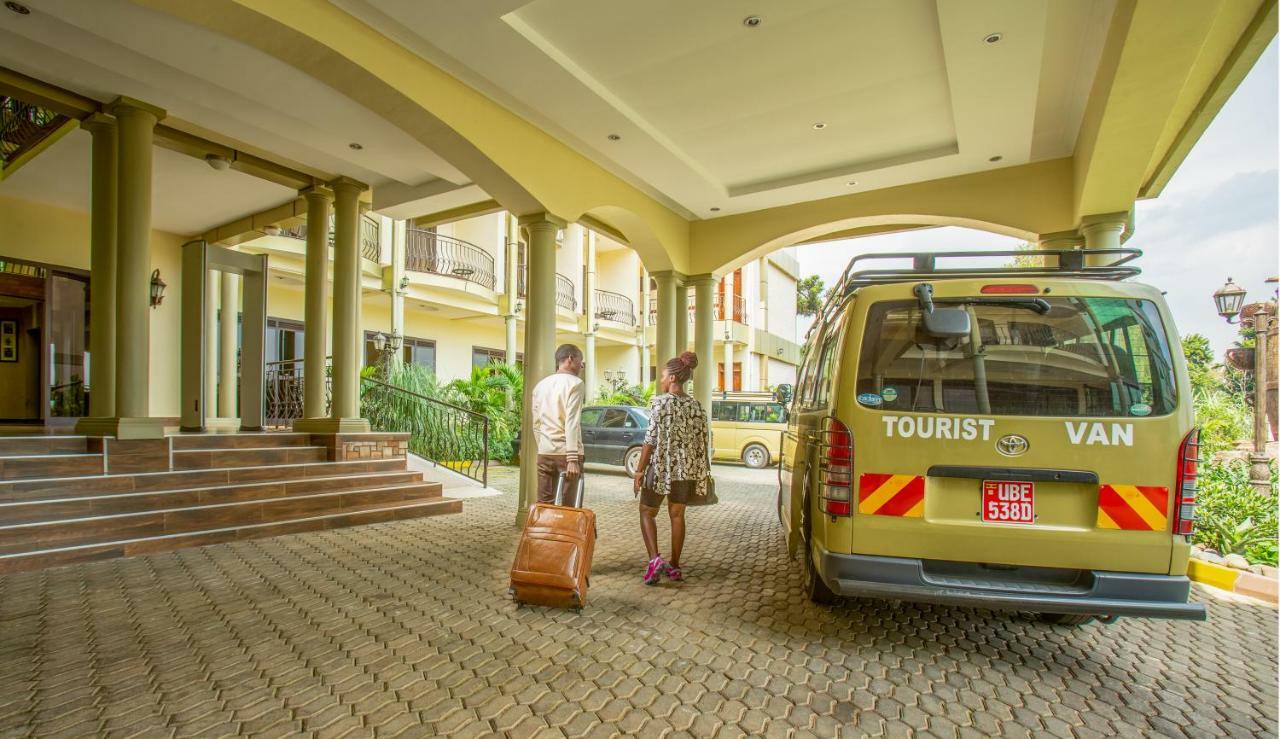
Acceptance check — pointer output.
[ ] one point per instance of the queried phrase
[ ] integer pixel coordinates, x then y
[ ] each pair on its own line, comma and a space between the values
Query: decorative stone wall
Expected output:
354, 447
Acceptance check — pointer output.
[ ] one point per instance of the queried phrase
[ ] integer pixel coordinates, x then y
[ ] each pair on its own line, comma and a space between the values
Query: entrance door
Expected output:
44, 329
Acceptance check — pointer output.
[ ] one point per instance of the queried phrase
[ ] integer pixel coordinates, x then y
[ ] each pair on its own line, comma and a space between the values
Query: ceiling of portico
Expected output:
712, 113
213, 86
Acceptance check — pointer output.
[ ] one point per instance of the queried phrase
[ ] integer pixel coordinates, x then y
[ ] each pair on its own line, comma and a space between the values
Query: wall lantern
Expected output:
1229, 298
157, 288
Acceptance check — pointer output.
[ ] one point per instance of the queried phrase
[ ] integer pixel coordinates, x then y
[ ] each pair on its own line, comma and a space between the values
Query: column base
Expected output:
331, 426
122, 428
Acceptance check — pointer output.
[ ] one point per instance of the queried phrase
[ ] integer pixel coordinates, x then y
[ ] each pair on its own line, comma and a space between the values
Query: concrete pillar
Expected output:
135, 129
728, 330
539, 338
209, 334
589, 311
228, 315
1059, 240
316, 303
102, 261
511, 249
398, 248
645, 297
682, 317
704, 339
347, 343
1102, 232
668, 316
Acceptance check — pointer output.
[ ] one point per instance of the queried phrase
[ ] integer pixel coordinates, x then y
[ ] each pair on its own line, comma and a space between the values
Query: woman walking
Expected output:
675, 456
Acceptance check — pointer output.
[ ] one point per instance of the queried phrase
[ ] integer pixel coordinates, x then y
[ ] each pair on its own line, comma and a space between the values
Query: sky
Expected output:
1217, 217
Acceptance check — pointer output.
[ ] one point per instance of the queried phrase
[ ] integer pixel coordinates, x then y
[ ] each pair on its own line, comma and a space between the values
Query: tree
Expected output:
809, 295
1027, 256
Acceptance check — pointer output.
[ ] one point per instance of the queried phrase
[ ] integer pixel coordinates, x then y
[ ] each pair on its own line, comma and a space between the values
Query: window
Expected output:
767, 413
825, 376
591, 416
723, 410
1084, 357
484, 356
284, 340
421, 352
616, 418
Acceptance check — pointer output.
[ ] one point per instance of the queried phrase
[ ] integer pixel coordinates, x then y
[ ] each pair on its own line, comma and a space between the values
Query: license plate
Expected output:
1008, 501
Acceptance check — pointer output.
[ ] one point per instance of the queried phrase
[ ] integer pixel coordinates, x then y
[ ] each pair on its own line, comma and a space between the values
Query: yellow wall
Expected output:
52, 235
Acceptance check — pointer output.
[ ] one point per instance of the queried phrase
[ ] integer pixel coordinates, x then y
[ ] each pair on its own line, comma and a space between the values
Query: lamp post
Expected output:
1259, 316
386, 348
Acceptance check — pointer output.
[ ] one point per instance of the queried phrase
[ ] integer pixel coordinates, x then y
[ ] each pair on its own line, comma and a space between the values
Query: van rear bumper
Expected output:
1097, 593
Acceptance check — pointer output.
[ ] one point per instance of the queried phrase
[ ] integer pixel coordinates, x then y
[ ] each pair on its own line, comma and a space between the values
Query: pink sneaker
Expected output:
653, 573
675, 573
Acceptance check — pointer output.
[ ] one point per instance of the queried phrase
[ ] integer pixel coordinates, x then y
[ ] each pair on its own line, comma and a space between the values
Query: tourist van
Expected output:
1015, 439
747, 427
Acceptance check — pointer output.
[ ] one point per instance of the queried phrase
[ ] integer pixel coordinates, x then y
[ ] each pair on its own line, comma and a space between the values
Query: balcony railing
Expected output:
283, 382
738, 302
22, 127
427, 251
370, 246
564, 293
612, 306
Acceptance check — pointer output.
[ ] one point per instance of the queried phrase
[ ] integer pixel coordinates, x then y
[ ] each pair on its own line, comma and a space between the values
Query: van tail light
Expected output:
1017, 289
1184, 513
835, 468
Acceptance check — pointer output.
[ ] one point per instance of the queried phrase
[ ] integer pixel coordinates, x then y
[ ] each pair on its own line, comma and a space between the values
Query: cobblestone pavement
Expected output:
405, 628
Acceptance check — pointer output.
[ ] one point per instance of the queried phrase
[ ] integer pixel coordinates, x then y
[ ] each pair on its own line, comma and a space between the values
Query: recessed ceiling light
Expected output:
751, 21
354, 146
819, 126
715, 210
851, 183
993, 38
614, 137
18, 8
995, 158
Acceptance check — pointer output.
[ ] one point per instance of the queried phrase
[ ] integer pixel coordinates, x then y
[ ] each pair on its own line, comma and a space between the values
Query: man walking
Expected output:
557, 427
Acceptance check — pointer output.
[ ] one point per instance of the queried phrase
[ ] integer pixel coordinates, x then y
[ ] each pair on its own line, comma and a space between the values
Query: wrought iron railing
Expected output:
612, 306
428, 251
738, 302
447, 435
370, 246
442, 433
23, 126
564, 293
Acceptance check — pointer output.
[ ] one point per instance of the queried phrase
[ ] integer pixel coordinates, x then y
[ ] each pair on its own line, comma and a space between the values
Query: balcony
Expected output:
739, 308
427, 251
564, 294
370, 245
611, 306
22, 129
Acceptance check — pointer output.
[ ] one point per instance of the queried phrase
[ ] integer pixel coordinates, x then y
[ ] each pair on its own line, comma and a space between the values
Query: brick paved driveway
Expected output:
405, 628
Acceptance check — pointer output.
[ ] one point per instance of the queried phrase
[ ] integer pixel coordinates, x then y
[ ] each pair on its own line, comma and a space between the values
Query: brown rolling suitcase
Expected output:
553, 560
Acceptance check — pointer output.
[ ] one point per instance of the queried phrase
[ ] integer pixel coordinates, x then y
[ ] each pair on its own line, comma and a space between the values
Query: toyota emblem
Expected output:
1012, 445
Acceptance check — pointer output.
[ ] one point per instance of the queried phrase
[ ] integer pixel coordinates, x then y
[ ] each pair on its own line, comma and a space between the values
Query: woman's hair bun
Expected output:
689, 359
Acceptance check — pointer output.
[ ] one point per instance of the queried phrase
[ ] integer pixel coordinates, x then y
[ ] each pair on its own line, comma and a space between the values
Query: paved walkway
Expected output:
405, 628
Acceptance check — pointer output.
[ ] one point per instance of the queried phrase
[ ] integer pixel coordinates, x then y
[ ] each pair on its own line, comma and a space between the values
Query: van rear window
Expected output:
1082, 357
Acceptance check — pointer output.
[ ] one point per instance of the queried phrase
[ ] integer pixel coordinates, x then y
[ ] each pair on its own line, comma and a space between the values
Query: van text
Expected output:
946, 427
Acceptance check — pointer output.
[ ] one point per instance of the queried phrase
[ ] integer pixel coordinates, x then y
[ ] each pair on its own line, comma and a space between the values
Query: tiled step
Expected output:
20, 467
71, 487
25, 537
187, 442
206, 459
80, 506
127, 547
17, 446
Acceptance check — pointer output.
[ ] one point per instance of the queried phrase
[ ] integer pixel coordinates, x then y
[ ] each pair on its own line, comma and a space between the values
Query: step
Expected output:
50, 465
42, 510
128, 547
72, 487
207, 459
190, 442
13, 446
22, 537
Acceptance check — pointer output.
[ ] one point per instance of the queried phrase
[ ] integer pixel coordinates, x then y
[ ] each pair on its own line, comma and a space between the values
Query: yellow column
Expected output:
589, 310
704, 338
511, 250
539, 339
1102, 232
645, 379
346, 306
316, 300
682, 317
665, 346
228, 313
1058, 241
212, 289
102, 260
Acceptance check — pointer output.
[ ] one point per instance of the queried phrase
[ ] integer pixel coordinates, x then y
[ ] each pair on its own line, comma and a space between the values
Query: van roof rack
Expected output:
924, 266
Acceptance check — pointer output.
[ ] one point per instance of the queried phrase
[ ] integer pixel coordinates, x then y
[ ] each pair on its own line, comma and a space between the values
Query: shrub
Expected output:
1233, 517
626, 395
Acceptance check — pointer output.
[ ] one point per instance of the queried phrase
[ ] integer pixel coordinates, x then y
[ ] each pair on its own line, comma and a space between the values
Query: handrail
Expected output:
739, 309
370, 246
427, 251
616, 307
23, 126
445, 434
564, 293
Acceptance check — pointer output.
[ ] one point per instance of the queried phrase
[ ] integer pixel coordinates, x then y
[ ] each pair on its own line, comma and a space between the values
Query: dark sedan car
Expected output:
614, 434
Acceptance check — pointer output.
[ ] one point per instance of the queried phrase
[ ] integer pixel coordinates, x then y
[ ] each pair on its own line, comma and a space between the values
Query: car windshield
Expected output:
1083, 357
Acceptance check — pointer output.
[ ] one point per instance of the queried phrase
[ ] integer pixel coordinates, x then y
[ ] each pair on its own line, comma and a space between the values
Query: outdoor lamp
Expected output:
157, 288
395, 342
379, 341
1229, 298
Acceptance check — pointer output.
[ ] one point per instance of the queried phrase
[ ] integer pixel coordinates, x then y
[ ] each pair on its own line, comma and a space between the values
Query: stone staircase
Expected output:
66, 499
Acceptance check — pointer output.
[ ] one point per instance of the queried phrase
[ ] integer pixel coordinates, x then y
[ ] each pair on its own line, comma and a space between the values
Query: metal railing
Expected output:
564, 293
427, 251
23, 126
612, 306
442, 433
370, 246
738, 302
447, 435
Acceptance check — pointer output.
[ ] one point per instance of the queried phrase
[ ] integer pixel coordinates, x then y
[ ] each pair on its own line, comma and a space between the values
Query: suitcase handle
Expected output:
577, 493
